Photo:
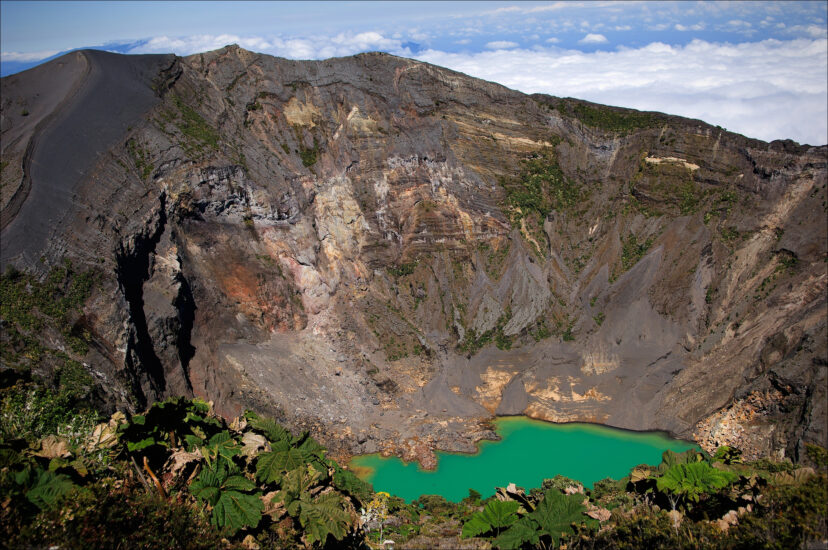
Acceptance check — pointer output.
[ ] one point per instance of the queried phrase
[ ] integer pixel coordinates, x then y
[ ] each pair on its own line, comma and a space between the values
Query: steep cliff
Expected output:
389, 252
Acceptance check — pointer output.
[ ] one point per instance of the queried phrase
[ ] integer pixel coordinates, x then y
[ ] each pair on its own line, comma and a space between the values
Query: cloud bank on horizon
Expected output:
760, 69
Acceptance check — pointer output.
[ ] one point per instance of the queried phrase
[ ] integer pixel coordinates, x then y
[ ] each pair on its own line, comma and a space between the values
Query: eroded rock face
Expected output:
355, 246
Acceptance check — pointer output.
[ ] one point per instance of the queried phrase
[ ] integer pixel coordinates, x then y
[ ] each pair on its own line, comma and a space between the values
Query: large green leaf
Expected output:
142, 444
208, 494
193, 442
239, 483
221, 445
556, 513
208, 485
671, 458
349, 483
523, 531
271, 466
693, 480
300, 480
325, 515
224, 489
48, 489
235, 510
495, 516
269, 428
310, 446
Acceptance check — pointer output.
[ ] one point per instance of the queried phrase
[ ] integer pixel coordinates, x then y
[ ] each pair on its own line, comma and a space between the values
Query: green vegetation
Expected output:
178, 464
179, 475
308, 156
567, 335
494, 256
30, 307
614, 120
472, 343
716, 503
632, 251
540, 331
141, 159
688, 197
555, 518
729, 234
495, 516
599, 318
787, 262
540, 187
403, 269
692, 481
727, 199
197, 132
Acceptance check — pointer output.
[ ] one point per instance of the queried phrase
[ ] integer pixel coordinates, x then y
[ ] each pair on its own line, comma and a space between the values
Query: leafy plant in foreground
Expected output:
321, 515
550, 521
691, 481
227, 491
495, 516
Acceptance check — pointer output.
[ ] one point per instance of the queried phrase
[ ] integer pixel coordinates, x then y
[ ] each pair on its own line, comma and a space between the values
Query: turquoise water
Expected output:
529, 452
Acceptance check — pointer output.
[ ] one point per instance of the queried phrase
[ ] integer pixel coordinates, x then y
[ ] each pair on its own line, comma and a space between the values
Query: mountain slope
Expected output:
390, 252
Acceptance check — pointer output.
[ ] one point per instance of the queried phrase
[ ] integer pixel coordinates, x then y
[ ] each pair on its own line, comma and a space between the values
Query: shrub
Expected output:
109, 513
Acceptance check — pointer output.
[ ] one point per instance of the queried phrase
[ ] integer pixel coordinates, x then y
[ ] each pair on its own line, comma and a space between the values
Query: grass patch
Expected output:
540, 187
688, 197
403, 269
605, 118
472, 343
198, 132
140, 158
494, 257
632, 251
28, 307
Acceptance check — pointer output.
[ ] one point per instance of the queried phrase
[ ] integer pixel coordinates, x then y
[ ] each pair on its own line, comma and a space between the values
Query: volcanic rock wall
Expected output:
389, 253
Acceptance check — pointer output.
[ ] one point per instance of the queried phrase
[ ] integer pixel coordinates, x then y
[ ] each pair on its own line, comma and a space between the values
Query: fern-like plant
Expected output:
48, 488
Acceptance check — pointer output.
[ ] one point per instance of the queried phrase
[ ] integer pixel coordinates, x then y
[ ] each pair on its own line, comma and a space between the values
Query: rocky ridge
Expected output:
389, 253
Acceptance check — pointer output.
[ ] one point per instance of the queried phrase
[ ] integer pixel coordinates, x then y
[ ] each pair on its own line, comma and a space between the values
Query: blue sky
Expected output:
758, 68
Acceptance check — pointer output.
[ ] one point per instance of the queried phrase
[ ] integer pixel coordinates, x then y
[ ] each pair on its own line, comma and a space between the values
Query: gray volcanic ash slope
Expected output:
388, 252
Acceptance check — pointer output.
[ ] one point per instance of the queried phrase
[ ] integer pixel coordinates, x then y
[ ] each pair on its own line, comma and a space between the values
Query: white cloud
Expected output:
623, 28
768, 90
592, 38
814, 31
27, 56
553, 40
463, 41
696, 27
534, 9
501, 45
295, 48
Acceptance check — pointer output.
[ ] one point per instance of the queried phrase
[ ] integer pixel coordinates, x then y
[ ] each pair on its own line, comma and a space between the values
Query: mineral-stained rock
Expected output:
387, 252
